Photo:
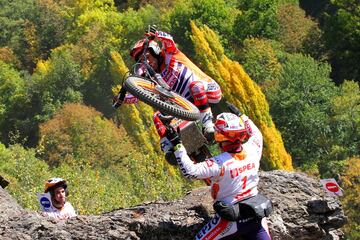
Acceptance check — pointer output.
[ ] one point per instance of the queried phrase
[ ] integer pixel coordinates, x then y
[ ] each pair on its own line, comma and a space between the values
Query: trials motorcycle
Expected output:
148, 86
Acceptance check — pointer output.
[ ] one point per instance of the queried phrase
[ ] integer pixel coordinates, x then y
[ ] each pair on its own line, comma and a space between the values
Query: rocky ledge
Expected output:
302, 210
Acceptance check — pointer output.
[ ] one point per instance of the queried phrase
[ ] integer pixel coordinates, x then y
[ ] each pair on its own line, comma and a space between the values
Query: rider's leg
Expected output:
217, 228
263, 232
254, 229
200, 97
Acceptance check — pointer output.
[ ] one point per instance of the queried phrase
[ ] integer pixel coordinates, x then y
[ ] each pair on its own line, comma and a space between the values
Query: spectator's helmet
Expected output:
229, 127
53, 183
138, 48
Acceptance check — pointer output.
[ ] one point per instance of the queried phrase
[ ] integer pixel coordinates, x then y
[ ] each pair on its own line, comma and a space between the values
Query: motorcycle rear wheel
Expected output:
176, 105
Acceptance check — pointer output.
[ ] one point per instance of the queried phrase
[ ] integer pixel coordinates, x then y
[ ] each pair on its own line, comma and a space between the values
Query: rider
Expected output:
183, 76
57, 187
240, 210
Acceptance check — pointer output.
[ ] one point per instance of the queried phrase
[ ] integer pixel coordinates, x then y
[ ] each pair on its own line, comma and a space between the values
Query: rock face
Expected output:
301, 211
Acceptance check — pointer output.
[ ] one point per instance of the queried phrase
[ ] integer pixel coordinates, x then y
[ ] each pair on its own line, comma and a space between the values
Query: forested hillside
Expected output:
292, 66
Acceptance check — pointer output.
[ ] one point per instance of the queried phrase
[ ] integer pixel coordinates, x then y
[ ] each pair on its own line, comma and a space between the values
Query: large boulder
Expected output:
302, 210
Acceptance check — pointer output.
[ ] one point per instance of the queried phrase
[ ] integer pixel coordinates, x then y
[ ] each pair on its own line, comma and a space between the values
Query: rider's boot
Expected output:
197, 90
206, 118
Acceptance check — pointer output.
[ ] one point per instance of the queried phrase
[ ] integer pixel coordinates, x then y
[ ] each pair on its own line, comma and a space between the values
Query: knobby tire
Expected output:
178, 106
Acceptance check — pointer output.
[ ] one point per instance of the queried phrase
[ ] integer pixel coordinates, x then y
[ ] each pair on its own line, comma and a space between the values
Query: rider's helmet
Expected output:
229, 127
138, 48
53, 183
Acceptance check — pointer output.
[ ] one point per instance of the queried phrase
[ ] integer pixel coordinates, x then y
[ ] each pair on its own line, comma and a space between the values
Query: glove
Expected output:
151, 32
173, 136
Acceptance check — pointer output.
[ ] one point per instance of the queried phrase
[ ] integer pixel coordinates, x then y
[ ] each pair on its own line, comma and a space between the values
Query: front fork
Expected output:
119, 99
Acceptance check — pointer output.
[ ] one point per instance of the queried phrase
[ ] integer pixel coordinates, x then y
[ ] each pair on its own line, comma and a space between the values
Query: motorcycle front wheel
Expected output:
167, 102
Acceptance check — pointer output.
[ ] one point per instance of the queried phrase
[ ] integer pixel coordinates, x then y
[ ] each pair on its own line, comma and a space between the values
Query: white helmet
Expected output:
229, 127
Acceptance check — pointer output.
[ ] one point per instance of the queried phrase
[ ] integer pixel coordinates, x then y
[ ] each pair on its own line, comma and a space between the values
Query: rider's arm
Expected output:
189, 169
167, 42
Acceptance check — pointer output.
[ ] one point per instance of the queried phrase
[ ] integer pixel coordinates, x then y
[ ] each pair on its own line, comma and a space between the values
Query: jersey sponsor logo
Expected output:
171, 81
248, 127
183, 170
163, 34
227, 229
209, 163
212, 86
235, 172
45, 202
207, 228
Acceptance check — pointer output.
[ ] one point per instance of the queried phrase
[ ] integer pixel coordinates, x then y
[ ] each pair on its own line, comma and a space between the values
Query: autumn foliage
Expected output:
239, 89
80, 132
350, 182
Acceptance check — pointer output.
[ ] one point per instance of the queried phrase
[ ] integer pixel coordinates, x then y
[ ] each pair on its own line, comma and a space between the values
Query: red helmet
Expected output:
139, 48
229, 127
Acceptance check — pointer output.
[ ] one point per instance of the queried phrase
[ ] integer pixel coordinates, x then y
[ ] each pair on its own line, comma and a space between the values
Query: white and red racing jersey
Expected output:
233, 177
67, 211
178, 71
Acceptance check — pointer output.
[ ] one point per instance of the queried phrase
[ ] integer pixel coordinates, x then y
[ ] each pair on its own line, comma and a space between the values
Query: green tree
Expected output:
346, 121
294, 27
260, 61
301, 106
7, 56
219, 15
257, 19
314, 44
342, 34
134, 25
12, 100
33, 31
56, 81
25, 172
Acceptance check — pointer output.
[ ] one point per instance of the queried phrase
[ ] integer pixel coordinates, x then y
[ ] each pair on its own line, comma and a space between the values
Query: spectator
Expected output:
61, 209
